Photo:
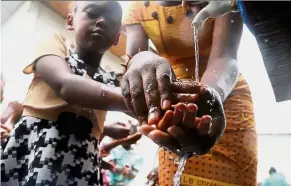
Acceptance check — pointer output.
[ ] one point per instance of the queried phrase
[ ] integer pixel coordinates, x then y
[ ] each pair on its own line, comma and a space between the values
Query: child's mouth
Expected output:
98, 33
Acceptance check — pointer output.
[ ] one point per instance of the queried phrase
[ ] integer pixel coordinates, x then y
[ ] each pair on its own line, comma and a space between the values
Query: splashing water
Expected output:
182, 163
196, 46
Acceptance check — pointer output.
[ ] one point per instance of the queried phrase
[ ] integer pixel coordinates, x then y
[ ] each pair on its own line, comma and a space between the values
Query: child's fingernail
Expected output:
166, 104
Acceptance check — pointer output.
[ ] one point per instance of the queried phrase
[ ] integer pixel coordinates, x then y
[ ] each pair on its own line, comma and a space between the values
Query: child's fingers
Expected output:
180, 109
166, 121
5, 127
204, 126
189, 117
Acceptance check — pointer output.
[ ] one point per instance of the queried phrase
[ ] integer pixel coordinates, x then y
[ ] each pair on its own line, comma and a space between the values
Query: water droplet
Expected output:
186, 69
214, 71
232, 21
151, 182
266, 40
177, 161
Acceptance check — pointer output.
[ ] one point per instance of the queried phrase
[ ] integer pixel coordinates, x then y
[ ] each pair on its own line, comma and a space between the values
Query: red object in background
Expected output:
105, 180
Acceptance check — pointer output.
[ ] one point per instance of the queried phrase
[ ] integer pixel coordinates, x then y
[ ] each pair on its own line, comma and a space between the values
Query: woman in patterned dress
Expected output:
233, 159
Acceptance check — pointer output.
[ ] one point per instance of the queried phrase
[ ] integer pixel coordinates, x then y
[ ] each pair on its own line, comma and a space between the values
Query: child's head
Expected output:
96, 24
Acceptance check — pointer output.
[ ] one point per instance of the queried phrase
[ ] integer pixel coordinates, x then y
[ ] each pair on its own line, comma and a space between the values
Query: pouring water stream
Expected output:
183, 160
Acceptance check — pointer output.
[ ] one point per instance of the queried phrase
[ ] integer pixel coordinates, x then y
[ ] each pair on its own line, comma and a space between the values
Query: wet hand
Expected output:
180, 131
209, 103
146, 86
209, 100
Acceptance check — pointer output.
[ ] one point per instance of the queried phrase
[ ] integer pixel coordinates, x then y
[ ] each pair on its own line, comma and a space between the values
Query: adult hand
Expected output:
212, 10
117, 130
181, 131
195, 6
146, 86
209, 100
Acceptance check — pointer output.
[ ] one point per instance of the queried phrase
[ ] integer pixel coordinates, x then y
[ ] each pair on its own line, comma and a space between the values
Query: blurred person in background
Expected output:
275, 179
9, 114
121, 153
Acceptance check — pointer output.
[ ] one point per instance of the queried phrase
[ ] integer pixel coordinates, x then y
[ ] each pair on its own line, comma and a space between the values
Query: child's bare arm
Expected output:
77, 90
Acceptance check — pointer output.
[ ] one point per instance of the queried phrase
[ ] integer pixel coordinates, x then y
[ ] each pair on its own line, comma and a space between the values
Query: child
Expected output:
55, 141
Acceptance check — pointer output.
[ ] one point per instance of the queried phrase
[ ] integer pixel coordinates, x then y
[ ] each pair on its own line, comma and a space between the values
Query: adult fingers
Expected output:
152, 95
164, 74
137, 96
178, 134
126, 94
204, 126
164, 139
161, 138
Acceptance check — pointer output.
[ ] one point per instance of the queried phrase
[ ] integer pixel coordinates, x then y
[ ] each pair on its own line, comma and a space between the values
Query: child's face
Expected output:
96, 24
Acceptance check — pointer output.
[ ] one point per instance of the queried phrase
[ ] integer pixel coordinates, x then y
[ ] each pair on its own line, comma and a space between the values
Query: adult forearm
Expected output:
222, 77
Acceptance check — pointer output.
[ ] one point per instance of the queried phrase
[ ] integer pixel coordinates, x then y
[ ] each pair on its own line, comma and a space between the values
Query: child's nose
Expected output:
100, 22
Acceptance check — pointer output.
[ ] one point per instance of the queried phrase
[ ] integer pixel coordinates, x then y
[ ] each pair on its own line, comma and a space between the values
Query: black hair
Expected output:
272, 170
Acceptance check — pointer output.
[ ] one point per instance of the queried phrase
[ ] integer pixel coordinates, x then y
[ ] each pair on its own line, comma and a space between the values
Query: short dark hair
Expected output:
272, 170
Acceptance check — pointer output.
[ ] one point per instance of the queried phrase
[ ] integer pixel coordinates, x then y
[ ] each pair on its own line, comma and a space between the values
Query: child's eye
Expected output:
92, 15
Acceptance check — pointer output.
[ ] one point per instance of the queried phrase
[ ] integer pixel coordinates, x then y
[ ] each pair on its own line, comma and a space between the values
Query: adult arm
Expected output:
222, 69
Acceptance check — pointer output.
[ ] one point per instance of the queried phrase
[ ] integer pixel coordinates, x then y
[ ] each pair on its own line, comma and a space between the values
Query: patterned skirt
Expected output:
45, 153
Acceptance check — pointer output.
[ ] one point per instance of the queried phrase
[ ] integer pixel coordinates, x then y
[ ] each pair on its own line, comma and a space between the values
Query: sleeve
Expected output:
50, 44
132, 14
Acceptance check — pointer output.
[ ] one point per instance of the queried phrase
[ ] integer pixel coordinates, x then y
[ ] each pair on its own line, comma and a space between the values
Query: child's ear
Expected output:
70, 22
116, 40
